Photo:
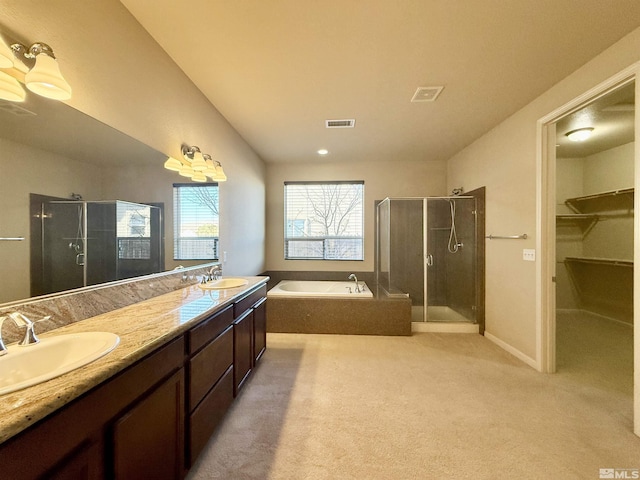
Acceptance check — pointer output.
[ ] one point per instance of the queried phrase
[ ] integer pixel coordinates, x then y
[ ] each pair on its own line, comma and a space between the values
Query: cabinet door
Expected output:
84, 464
259, 329
242, 349
148, 438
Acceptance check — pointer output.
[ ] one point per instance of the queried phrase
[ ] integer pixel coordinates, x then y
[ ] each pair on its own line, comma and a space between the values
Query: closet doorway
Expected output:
586, 244
594, 242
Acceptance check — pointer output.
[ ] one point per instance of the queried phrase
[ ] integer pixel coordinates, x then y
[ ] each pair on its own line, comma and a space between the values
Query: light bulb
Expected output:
186, 171
198, 177
6, 55
580, 134
10, 89
45, 79
173, 164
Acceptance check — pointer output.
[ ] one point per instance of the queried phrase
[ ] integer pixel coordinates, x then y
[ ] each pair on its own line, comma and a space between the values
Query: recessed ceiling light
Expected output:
323, 151
580, 134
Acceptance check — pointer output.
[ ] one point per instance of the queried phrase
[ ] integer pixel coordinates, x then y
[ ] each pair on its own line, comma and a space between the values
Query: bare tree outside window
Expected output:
196, 222
324, 220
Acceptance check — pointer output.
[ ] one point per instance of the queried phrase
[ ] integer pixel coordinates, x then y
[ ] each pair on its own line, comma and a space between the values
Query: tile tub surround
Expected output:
344, 316
142, 327
87, 302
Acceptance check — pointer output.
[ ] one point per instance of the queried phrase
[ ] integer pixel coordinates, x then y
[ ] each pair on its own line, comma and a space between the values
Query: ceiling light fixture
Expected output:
579, 134
196, 165
44, 77
323, 151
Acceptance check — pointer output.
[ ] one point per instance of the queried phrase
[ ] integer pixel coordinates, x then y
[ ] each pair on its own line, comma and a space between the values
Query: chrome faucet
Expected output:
20, 320
215, 272
355, 279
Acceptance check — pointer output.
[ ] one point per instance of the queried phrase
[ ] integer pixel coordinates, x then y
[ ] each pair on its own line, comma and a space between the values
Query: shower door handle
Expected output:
429, 260
80, 259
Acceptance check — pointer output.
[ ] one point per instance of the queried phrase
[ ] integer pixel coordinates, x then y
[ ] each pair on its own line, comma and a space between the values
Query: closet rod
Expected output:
507, 237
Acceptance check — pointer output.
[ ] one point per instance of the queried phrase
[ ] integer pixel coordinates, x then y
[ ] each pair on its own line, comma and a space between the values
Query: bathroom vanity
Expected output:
148, 408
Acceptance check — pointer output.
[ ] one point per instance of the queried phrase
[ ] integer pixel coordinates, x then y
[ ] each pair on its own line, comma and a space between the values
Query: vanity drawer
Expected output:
204, 420
249, 301
208, 365
200, 335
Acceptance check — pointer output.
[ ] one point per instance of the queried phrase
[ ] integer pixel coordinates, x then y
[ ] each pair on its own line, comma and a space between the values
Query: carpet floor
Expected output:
429, 406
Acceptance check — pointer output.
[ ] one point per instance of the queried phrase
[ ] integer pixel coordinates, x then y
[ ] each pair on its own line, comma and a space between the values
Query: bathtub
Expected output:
301, 306
319, 288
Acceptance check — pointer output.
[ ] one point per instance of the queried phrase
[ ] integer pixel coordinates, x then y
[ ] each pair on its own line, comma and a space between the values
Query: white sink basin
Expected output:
229, 282
25, 366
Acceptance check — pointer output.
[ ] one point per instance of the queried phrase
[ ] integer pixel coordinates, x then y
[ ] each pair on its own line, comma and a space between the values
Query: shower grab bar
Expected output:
11, 239
507, 237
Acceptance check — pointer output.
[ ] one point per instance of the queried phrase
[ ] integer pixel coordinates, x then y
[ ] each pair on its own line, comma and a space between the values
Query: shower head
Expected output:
457, 191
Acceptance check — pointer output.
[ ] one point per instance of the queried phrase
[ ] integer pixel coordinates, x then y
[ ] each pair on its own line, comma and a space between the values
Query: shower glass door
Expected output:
450, 259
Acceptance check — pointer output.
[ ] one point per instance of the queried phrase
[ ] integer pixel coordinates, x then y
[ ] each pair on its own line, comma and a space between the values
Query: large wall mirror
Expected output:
51, 150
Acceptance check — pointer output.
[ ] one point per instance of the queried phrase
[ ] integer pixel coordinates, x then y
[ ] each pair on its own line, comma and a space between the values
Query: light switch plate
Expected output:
529, 254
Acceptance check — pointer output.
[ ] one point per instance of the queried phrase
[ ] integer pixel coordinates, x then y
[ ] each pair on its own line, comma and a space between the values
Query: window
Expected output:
323, 220
195, 221
133, 231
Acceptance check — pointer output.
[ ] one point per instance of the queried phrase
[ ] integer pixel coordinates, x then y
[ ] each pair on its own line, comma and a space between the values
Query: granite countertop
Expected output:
142, 327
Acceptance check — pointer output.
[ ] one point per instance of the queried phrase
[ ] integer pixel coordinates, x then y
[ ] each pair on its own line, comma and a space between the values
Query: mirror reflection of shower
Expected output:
89, 242
76, 244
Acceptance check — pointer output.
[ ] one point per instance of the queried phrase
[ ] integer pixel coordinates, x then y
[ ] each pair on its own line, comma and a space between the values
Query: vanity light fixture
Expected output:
579, 134
44, 77
196, 165
6, 55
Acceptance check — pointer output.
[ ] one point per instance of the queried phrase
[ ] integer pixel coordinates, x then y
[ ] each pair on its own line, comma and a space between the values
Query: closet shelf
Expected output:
600, 261
586, 221
621, 199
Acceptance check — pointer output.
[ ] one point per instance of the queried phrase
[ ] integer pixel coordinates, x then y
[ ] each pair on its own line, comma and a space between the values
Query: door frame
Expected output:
546, 226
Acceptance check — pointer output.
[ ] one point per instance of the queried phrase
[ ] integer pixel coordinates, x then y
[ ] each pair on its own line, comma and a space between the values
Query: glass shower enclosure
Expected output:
426, 249
86, 243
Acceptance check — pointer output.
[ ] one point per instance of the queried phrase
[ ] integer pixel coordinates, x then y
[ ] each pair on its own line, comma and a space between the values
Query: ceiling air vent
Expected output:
348, 123
426, 94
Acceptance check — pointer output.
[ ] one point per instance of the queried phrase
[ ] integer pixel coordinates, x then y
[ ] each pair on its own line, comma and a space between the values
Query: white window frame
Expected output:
313, 236
194, 246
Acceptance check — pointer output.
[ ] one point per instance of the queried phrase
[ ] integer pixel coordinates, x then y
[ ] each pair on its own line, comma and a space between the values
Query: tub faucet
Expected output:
355, 279
20, 320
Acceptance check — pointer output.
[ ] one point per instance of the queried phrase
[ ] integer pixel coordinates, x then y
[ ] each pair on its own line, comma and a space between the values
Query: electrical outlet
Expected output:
529, 254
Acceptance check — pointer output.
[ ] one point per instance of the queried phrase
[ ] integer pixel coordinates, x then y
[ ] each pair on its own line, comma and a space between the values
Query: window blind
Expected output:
324, 220
195, 221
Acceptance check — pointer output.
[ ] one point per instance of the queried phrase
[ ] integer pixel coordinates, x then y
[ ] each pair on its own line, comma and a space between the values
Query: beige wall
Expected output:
395, 178
121, 77
504, 160
25, 170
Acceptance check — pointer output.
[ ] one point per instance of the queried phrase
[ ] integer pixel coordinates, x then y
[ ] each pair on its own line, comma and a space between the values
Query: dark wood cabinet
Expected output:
242, 349
147, 439
154, 418
259, 329
85, 463
210, 371
77, 441
249, 334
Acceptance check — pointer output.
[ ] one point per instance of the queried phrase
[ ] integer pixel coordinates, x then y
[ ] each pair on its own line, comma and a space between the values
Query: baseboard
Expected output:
445, 327
513, 351
594, 314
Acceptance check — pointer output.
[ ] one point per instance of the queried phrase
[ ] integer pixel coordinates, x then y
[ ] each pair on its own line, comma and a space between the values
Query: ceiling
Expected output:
278, 69
611, 117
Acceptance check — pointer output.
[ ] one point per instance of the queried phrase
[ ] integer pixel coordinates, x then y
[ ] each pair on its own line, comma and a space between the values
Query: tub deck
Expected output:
362, 316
